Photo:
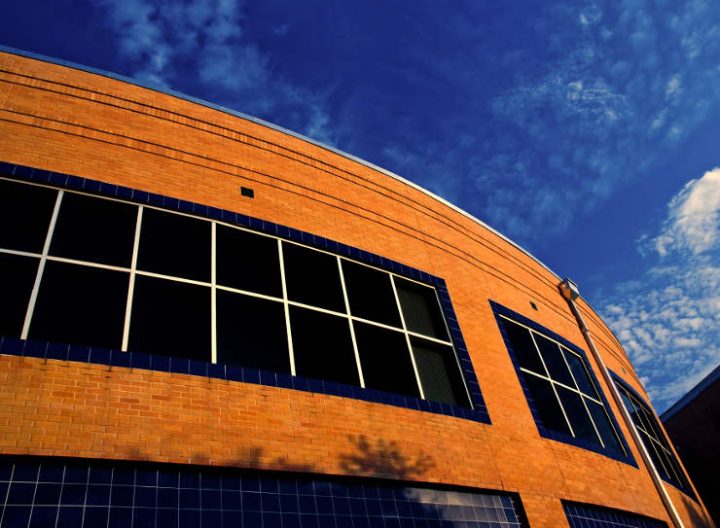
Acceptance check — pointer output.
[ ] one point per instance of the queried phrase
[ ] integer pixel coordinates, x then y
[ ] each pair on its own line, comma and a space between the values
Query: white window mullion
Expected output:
350, 322
131, 284
213, 293
552, 385
41, 267
407, 338
582, 398
287, 307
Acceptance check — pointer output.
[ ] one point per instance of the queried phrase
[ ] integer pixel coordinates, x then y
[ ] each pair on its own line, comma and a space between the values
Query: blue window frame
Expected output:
562, 391
299, 279
581, 515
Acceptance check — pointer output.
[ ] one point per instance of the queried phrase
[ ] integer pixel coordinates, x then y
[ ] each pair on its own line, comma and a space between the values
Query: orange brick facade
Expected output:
79, 123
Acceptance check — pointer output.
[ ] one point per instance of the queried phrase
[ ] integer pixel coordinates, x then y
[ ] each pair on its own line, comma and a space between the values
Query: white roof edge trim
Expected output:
278, 128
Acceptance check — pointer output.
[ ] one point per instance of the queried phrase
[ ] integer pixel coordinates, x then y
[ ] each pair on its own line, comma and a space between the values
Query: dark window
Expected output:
80, 305
577, 415
94, 230
554, 361
251, 332
546, 404
370, 294
18, 278
654, 439
246, 261
176, 245
421, 309
322, 346
313, 278
385, 360
25, 212
523, 347
558, 391
170, 318
438, 371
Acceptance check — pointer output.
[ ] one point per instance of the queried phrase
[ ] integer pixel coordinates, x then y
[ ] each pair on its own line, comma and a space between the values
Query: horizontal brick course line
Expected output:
466, 257
297, 157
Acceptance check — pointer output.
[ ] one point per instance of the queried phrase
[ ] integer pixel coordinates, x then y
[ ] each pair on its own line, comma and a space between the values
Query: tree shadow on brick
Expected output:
382, 458
254, 458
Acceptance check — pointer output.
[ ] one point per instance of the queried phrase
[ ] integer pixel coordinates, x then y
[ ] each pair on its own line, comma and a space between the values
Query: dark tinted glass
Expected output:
170, 318
655, 453
421, 309
523, 347
602, 422
385, 360
251, 332
439, 372
322, 346
25, 212
580, 373
80, 305
18, 278
554, 361
546, 404
248, 262
93, 229
578, 416
370, 294
174, 245
313, 278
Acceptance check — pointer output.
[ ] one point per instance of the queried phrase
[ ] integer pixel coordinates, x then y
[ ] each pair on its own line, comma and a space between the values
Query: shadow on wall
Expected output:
382, 458
696, 516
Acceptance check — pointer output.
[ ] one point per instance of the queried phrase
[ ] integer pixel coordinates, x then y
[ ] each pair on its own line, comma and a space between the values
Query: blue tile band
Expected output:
76, 493
587, 516
46, 350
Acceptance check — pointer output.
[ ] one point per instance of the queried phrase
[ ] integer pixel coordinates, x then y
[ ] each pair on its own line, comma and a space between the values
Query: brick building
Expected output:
210, 320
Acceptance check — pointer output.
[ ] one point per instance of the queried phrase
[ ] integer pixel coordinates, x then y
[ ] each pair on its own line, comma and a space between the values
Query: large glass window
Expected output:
95, 271
563, 393
653, 438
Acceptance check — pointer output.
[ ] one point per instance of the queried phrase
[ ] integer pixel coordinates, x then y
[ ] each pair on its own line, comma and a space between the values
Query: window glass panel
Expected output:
554, 361
421, 309
80, 305
247, 261
580, 373
523, 347
174, 245
439, 373
170, 318
322, 346
93, 229
546, 404
18, 278
577, 415
385, 360
251, 332
25, 212
605, 428
370, 294
654, 451
313, 278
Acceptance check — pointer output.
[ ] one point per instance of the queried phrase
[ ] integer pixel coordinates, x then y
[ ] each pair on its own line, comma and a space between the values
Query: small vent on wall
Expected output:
247, 192
534, 306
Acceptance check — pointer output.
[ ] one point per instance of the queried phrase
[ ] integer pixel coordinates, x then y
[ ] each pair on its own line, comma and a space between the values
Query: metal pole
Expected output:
570, 293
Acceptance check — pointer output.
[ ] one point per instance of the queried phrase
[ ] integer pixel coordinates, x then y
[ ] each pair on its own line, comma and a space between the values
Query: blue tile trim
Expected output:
86, 493
499, 310
478, 413
581, 515
624, 384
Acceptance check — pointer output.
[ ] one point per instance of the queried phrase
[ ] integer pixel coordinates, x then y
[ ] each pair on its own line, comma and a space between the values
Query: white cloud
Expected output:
668, 318
693, 222
201, 44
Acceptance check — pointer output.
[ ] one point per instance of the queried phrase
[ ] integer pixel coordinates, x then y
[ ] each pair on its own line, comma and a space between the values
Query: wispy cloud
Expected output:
200, 47
668, 318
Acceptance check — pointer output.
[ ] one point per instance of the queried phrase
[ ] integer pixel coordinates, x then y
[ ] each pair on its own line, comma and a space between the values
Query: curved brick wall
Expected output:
78, 123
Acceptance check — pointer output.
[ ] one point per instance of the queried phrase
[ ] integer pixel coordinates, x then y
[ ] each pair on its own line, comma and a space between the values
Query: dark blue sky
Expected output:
587, 132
